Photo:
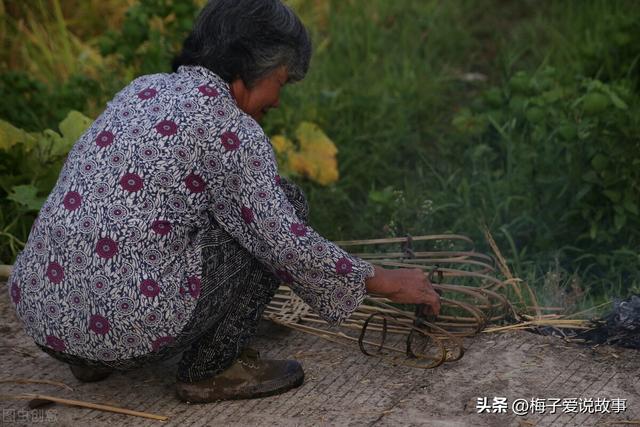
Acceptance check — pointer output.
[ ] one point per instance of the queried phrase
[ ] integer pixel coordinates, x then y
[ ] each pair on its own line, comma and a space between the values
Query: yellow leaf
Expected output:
314, 155
316, 158
299, 164
281, 144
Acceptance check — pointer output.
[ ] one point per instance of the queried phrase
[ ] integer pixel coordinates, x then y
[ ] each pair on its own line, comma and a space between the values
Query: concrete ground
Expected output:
344, 387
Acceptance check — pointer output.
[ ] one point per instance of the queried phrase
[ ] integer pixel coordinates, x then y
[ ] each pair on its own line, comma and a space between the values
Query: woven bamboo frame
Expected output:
472, 297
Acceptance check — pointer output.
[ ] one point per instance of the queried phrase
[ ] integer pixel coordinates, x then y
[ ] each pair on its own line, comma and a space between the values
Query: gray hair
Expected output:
247, 39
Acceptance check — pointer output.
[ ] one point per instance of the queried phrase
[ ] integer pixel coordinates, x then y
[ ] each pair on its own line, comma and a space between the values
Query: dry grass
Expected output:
54, 39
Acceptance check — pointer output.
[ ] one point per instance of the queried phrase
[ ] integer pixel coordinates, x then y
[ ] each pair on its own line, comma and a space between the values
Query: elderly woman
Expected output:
169, 229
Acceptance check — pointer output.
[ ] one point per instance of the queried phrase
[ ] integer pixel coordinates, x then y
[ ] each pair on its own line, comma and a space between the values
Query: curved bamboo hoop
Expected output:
470, 301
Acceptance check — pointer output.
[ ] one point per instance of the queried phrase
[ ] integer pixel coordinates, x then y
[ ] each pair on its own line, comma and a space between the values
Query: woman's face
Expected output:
264, 95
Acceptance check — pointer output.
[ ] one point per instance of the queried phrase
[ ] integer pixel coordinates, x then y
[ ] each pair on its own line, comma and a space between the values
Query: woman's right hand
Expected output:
405, 286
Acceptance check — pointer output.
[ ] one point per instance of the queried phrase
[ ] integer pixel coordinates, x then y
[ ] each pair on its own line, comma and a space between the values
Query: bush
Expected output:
29, 166
552, 152
520, 115
152, 33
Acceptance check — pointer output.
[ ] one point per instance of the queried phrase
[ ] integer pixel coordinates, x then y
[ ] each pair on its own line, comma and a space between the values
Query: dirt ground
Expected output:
344, 387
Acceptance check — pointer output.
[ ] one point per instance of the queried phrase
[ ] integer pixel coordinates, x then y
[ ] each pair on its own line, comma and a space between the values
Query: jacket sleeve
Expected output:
251, 206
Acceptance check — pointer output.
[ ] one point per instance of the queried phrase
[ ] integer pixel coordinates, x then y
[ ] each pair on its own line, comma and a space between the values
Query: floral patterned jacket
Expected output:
112, 268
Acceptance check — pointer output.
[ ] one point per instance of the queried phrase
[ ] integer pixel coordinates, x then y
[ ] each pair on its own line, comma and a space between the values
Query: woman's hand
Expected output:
405, 286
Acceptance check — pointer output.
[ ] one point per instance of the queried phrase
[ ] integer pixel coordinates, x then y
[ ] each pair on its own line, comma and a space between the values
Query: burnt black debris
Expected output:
620, 327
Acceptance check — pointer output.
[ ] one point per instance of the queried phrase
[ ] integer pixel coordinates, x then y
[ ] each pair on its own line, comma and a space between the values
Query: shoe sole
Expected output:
89, 375
190, 394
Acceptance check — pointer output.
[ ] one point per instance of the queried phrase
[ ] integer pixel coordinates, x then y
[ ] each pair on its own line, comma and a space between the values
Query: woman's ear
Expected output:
239, 90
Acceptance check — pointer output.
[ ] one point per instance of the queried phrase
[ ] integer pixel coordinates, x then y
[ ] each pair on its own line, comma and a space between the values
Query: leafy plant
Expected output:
564, 162
151, 34
540, 146
313, 157
29, 166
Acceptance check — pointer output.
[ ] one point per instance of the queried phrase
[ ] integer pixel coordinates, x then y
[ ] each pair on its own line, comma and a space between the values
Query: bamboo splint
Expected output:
83, 404
472, 297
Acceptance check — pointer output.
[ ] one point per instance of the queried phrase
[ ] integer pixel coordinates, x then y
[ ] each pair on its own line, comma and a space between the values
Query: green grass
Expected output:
382, 89
388, 84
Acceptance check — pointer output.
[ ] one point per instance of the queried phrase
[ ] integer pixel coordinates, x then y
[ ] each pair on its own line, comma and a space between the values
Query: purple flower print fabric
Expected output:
112, 268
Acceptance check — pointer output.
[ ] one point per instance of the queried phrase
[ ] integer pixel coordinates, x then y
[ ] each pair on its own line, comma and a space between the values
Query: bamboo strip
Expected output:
473, 292
405, 322
556, 323
424, 323
425, 261
325, 334
485, 267
447, 272
89, 405
588, 310
428, 254
471, 288
404, 240
457, 322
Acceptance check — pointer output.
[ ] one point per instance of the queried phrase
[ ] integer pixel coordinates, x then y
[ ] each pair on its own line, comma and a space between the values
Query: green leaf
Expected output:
518, 103
520, 83
55, 143
11, 135
535, 115
73, 126
481, 150
553, 95
383, 196
582, 192
567, 131
26, 196
619, 221
468, 123
591, 177
600, 162
619, 103
614, 196
595, 103
629, 203
493, 97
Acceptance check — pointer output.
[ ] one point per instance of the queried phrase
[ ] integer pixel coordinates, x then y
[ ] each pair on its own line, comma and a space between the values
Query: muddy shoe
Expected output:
249, 377
89, 375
